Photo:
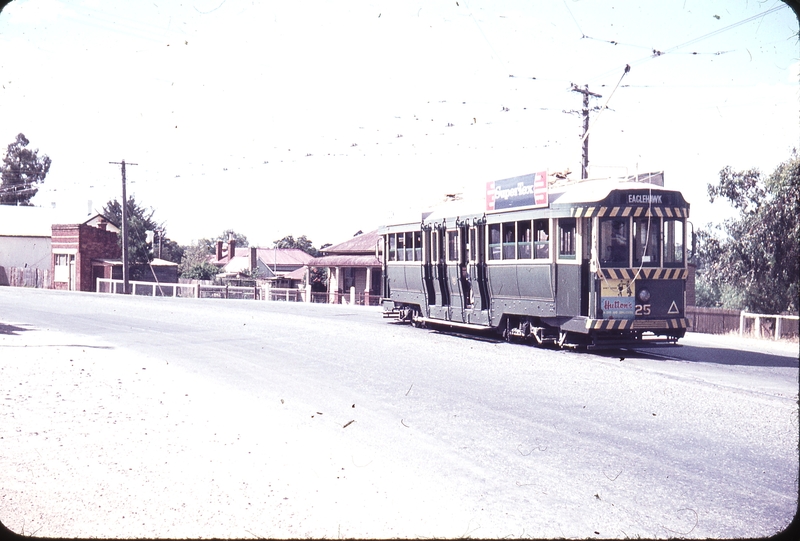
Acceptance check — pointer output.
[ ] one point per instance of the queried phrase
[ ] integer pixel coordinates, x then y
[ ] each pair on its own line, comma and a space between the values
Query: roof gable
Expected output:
360, 244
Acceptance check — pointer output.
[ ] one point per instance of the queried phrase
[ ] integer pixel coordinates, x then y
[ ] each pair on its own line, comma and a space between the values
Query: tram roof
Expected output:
584, 192
595, 191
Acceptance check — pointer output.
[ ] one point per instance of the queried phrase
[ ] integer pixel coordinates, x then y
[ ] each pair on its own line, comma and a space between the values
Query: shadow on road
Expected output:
715, 355
11, 329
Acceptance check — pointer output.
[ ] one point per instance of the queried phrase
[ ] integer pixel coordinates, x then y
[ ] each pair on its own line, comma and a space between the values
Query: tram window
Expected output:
494, 241
401, 252
473, 247
541, 232
614, 242
435, 246
392, 247
645, 242
409, 246
673, 243
418, 246
566, 232
509, 242
452, 245
524, 238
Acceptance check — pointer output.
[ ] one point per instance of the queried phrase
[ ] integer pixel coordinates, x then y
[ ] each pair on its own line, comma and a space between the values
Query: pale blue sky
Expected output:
323, 118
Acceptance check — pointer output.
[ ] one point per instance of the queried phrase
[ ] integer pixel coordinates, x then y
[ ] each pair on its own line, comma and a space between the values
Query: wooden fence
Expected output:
25, 277
722, 321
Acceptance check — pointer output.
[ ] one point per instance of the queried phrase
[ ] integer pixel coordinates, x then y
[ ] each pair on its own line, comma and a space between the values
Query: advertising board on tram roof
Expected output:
523, 191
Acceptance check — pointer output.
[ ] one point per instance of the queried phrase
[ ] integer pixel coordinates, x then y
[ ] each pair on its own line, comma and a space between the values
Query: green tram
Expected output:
589, 264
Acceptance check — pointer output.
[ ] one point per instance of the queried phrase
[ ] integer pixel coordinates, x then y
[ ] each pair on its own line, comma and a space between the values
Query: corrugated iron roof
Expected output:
35, 221
360, 244
297, 274
340, 260
282, 256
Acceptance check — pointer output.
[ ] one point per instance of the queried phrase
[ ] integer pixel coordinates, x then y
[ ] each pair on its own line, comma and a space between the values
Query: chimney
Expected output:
231, 248
219, 250
101, 224
253, 258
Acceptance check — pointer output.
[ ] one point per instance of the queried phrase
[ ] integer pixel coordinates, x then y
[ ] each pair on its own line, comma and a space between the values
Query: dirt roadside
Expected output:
100, 442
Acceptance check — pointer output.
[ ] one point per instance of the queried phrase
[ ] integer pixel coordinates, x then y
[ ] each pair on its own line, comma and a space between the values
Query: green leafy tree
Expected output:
301, 243
210, 245
141, 249
753, 261
22, 169
317, 276
195, 263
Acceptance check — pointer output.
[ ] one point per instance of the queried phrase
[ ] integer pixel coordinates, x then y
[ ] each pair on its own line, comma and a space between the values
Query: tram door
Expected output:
428, 267
476, 265
587, 277
457, 277
441, 293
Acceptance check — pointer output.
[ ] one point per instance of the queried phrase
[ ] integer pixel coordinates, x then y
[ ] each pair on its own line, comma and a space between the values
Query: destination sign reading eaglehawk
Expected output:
650, 199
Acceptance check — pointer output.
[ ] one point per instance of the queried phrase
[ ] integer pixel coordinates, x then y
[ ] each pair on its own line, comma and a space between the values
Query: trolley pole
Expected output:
125, 277
585, 112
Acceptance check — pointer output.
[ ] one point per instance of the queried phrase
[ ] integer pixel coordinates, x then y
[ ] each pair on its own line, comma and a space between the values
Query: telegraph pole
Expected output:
585, 112
125, 285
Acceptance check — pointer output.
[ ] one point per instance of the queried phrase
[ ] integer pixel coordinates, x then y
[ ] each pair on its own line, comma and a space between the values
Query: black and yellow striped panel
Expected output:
644, 274
636, 324
624, 212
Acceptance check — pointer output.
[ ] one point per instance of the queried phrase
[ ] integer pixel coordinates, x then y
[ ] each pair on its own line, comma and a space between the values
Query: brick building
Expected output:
74, 247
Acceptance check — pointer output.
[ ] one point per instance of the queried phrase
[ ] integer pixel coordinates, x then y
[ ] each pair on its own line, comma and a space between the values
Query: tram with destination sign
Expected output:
593, 263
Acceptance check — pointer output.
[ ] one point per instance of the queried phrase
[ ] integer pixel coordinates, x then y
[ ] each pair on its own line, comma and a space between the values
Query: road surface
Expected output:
152, 417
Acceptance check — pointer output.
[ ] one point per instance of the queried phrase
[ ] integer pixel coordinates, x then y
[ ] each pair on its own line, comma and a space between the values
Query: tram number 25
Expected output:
642, 309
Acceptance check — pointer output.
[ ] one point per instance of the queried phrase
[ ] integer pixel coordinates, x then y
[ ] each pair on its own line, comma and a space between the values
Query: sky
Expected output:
325, 118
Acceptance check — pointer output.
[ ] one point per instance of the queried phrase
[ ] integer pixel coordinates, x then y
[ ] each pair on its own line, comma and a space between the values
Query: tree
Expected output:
301, 243
210, 245
195, 263
755, 262
141, 249
21, 171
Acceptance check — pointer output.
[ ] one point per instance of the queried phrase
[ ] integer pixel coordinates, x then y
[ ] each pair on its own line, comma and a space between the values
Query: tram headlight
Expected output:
644, 295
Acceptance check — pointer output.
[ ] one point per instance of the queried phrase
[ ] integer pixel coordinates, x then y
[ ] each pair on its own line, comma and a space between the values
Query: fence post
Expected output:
308, 293
352, 295
758, 326
778, 320
741, 324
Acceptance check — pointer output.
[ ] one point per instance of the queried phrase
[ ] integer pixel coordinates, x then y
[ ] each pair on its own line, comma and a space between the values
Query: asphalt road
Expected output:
376, 429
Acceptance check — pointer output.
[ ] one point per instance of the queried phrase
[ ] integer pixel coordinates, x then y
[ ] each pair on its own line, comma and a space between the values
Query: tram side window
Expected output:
392, 247
435, 246
494, 241
418, 246
541, 231
509, 241
614, 242
566, 234
645, 242
673, 243
524, 239
473, 247
452, 245
401, 247
409, 242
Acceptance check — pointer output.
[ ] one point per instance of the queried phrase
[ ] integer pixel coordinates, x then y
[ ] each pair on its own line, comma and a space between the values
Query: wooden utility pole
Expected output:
585, 113
125, 285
